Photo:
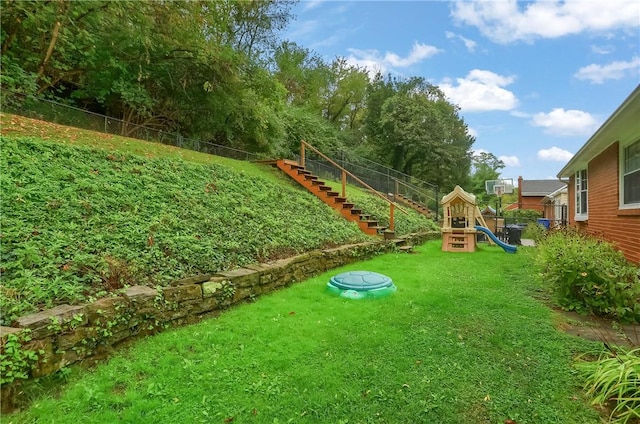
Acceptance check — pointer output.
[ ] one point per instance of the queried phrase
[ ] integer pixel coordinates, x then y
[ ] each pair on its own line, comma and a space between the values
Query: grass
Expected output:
85, 213
462, 341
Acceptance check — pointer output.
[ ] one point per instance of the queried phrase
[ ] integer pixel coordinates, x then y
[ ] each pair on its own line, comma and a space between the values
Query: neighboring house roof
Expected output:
488, 211
540, 187
621, 125
558, 192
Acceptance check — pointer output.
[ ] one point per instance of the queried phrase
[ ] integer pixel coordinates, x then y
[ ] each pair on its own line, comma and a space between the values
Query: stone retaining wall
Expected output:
42, 343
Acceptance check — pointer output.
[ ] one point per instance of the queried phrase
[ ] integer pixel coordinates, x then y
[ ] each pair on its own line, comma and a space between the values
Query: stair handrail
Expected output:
423, 193
411, 187
344, 174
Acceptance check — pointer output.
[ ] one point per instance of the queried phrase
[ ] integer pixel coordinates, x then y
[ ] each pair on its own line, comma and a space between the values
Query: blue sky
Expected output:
534, 80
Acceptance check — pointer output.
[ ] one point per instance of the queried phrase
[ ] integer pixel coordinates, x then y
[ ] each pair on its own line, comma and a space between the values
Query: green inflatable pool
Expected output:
361, 285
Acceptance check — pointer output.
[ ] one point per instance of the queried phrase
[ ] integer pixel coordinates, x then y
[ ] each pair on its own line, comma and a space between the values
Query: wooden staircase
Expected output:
414, 205
332, 198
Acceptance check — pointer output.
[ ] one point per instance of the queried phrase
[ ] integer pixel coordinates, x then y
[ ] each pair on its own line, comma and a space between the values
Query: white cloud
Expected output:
477, 152
480, 91
602, 49
555, 154
374, 61
597, 74
468, 43
565, 122
472, 132
509, 21
311, 4
418, 52
520, 114
511, 161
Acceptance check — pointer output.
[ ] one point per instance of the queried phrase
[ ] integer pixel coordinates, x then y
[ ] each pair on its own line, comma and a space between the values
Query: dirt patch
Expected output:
598, 329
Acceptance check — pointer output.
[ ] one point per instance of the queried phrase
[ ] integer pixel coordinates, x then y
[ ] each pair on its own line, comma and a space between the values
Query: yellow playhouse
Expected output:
460, 216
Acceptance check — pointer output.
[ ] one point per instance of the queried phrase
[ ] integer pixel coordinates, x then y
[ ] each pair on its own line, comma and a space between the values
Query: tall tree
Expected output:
485, 166
423, 135
304, 75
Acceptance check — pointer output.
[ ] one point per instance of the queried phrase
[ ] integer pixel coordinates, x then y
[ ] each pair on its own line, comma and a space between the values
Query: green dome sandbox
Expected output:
361, 285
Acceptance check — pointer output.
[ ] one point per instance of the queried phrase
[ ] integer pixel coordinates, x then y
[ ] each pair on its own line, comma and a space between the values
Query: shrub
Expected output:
614, 381
535, 232
523, 215
589, 275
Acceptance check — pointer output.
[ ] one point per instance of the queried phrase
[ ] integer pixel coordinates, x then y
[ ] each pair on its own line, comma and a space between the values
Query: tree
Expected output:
303, 74
485, 167
421, 134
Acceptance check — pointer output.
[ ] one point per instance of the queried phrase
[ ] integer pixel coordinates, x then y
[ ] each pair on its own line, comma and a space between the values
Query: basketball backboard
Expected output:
499, 187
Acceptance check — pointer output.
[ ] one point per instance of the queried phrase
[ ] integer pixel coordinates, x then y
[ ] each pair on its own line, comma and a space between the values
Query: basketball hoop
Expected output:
499, 187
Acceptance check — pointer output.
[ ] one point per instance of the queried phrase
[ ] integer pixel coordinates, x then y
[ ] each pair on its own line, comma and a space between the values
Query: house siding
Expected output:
603, 206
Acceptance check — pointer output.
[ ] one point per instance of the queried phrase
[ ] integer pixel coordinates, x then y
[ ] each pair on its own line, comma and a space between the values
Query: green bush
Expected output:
523, 215
589, 275
614, 381
535, 232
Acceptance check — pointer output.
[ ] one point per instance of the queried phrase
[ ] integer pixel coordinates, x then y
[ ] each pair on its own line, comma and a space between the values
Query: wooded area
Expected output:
221, 72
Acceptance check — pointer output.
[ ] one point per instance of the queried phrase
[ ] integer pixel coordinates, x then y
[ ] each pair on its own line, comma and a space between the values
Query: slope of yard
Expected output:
85, 213
462, 341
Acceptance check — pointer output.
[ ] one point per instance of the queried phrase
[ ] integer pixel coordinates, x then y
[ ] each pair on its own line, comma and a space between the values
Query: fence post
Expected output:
302, 154
391, 218
344, 184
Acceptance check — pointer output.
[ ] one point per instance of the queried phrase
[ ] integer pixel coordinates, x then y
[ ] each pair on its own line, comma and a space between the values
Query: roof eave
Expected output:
601, 139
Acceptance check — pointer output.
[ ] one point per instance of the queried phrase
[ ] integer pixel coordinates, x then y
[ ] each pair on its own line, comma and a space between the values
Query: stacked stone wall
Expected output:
42, 343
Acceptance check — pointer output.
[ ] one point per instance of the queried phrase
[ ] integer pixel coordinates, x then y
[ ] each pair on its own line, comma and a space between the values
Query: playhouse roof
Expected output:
458, 192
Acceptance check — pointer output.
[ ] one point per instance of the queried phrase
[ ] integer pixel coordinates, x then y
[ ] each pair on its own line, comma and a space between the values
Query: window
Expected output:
581, 194
631, 174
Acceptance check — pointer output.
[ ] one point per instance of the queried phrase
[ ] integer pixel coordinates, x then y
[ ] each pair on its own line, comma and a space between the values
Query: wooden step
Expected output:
329, 196
407, 248
294, 166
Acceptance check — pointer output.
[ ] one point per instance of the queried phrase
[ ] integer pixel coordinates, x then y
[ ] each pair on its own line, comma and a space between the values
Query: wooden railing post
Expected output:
344, 184
302, 154
391, 218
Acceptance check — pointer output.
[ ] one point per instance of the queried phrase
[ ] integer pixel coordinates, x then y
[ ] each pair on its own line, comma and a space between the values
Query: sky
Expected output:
533, 80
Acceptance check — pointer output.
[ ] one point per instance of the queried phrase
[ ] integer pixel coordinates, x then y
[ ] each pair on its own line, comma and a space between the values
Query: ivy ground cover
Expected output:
84, 214
461, 341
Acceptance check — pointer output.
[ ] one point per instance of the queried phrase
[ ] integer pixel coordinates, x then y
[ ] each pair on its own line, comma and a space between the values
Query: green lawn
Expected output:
462, 341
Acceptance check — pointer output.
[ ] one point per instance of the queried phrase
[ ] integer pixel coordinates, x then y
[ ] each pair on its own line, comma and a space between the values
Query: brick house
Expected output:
604, 180
532, 194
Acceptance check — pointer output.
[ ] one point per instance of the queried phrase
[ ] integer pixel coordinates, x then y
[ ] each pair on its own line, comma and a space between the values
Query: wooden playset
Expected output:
461, 215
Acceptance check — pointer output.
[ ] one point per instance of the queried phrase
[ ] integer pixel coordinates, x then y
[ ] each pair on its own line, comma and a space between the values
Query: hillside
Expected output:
85, 213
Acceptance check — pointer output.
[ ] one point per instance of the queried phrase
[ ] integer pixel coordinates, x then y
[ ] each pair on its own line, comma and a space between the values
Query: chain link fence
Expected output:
382, 178
59, 113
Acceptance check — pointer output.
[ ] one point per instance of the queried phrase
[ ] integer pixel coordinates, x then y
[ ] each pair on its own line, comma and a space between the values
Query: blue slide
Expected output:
509, 248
